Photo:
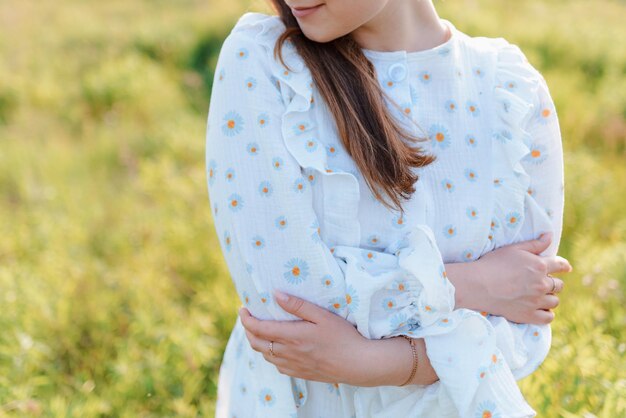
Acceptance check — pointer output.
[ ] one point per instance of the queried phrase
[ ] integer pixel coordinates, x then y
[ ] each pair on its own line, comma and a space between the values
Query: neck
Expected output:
410, 25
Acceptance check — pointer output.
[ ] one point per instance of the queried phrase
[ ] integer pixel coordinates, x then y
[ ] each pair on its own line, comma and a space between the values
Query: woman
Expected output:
412, 263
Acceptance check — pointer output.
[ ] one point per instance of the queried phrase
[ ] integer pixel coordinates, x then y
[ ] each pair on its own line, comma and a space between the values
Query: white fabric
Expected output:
293, 212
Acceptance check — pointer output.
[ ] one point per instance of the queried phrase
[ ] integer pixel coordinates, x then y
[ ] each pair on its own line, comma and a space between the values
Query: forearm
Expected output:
469, 289
389, 361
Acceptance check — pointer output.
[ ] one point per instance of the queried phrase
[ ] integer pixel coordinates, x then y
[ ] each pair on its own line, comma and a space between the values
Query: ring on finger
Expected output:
553, 284
272, 349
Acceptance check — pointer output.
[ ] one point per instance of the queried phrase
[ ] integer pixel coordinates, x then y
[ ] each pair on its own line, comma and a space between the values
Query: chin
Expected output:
318, 36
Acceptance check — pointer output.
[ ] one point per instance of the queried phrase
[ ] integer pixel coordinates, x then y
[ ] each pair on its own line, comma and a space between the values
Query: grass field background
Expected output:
114, 297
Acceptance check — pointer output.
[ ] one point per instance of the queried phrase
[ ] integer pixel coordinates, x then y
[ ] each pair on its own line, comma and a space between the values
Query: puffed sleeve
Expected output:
264, 214
524, 92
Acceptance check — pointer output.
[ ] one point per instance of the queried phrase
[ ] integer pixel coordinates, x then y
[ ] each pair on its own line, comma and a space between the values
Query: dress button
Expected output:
397, 72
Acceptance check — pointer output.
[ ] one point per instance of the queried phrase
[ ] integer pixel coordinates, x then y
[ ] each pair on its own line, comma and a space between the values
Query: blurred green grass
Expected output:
114, 298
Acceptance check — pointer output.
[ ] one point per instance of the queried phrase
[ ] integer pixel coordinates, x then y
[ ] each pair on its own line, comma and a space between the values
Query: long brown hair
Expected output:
347, 81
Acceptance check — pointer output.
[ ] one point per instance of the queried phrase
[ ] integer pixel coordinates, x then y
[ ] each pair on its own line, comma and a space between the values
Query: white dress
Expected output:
292, 212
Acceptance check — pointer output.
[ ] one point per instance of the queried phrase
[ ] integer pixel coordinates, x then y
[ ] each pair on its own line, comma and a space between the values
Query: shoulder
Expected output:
500, 55
252, 38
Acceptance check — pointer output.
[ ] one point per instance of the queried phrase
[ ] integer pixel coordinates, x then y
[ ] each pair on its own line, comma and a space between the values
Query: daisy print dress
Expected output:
293, 212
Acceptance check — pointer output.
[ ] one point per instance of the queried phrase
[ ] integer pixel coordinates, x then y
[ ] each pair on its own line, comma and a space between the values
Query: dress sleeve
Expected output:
264, 211
523, 91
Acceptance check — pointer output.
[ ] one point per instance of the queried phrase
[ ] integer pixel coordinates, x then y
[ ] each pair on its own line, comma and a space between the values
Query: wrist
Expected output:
469, 284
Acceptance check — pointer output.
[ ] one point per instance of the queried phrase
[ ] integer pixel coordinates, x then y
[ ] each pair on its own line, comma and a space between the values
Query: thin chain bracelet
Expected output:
414, 351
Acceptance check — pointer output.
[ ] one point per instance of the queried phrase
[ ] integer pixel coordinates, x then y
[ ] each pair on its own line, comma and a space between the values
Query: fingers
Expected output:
558, 264
301, 308
536, 246
549, 301
542, 317
271, 330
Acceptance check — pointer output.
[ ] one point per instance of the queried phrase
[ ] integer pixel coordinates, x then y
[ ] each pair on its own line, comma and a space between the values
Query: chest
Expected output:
454, 195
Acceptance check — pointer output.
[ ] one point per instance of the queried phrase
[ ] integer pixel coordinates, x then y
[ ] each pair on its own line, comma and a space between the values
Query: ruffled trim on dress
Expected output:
408, 293
515, 89
339, 224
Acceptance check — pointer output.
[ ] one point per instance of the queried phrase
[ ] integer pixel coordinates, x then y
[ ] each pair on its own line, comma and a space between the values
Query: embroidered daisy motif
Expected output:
471, 212
266, 397
471, 174
233, 123
449, 231
398, 221
301, 127
297, 271
265, 188
510, 85
333, 388
252, 148
264, 297
389, 83
445, 322
263, 120
227, 242
316, 235
331, 150
503, 136
401, 285
277, 163
368, 256
245, 298
478, 71
311, 176
229, 174
535, 335
242, 53
442, 272
495, 224
470, 140
251, 83
545, 112
328, 281
221, 75
352, 299
298, 395
211, 171
451, 106
486, 409
258, 242
299, 185
513, 219
468, 255
373, 240
235, 202
497, 182
388, 304
281, 222
429, 309
337, 304
537, 154
425, 77
447, 185
481, 373
472, 108
398, 321
439, 136
310, 145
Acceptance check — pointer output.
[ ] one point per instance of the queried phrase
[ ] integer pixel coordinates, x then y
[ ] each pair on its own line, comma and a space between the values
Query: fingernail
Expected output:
281, 296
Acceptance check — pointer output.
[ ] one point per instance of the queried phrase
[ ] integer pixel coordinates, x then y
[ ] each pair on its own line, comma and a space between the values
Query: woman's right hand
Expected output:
515, 280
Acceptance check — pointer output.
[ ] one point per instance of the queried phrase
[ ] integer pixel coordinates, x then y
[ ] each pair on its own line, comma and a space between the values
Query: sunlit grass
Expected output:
114, 298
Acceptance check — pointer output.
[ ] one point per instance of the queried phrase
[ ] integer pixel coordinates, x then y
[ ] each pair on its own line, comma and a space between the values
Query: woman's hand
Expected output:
322, 347
512, 281
325, 347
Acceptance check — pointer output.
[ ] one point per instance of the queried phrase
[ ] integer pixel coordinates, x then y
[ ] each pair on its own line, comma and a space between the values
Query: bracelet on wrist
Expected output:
415, 360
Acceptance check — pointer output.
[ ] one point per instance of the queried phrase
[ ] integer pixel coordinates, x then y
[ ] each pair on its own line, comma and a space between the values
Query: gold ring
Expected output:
272, 348
553, 284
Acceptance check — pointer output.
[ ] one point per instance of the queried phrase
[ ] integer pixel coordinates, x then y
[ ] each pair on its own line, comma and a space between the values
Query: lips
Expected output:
304, 11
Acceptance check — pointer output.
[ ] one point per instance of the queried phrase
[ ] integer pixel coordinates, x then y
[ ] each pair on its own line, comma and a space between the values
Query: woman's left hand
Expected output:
323, 346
